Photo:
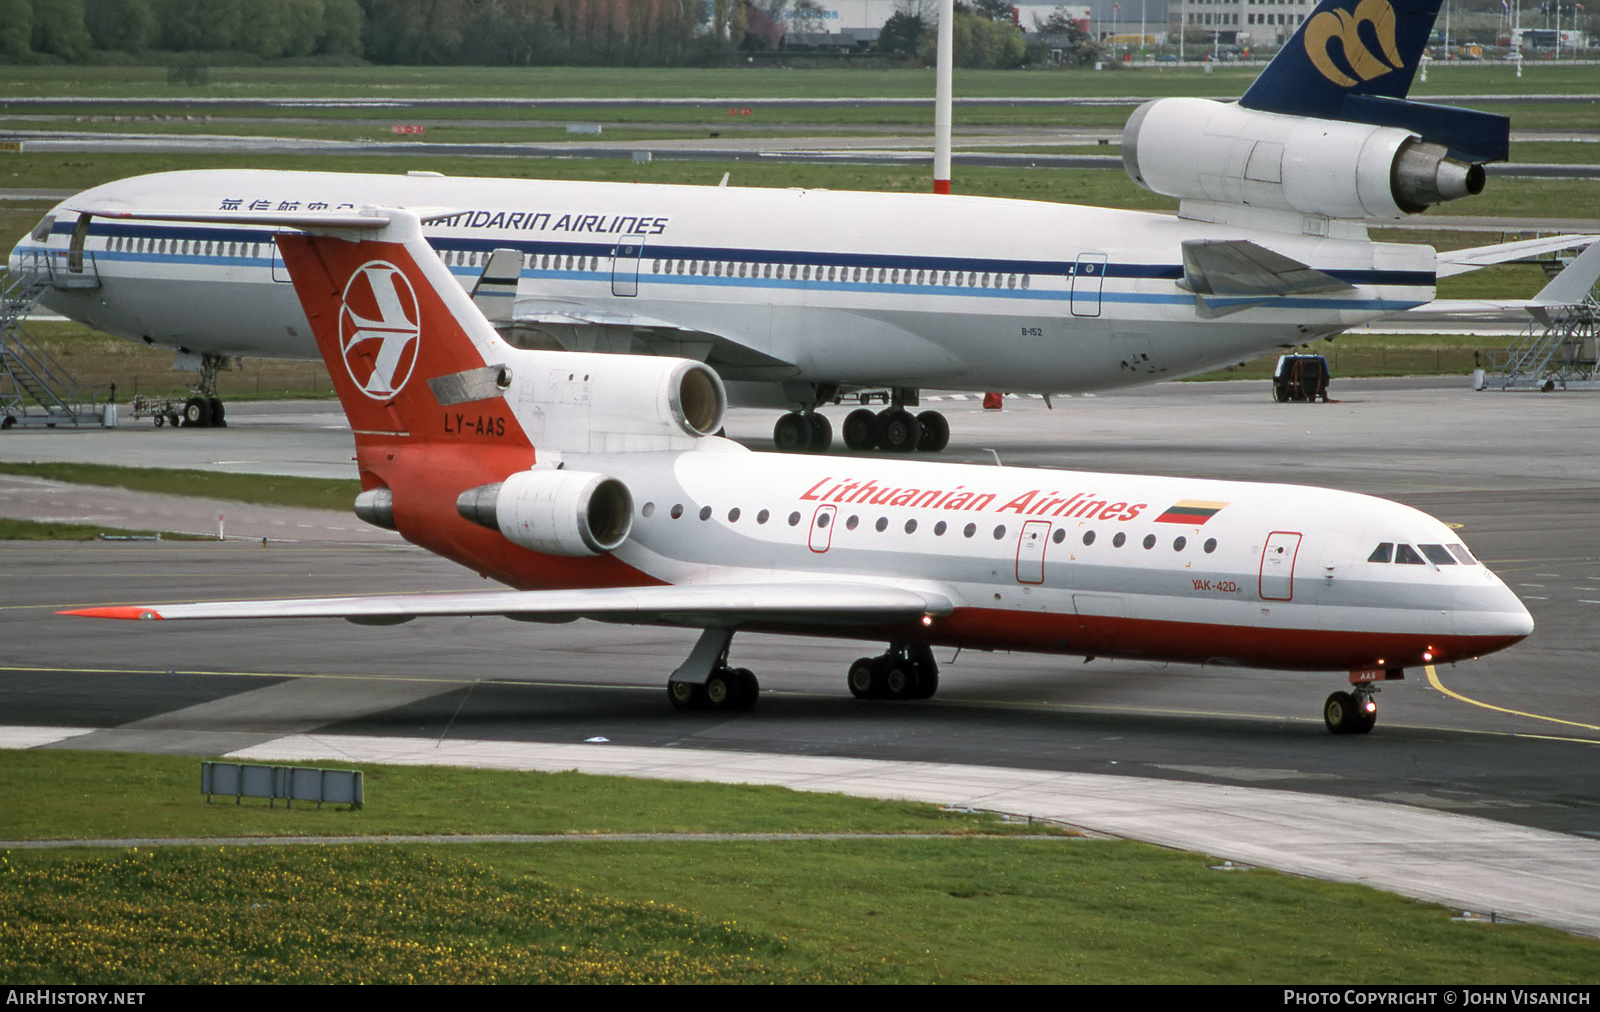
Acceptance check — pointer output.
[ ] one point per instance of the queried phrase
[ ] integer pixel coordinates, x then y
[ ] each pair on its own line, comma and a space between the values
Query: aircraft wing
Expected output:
699, 606
575, 326
1459, 261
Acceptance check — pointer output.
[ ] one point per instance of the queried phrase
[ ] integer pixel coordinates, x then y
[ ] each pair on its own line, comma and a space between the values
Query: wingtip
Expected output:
120, 611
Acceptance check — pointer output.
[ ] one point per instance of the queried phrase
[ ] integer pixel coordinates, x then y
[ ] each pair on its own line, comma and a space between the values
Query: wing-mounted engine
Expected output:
556, 512
1222, 153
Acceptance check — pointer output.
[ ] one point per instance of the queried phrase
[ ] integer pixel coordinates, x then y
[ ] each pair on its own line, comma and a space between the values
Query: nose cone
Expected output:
1491, 618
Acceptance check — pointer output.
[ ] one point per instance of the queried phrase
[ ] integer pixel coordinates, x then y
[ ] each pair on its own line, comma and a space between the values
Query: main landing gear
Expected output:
706, 682
897, 430
907, 671
1351, 712
894, 428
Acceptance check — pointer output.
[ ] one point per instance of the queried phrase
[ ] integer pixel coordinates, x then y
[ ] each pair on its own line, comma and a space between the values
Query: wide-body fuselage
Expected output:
768, 286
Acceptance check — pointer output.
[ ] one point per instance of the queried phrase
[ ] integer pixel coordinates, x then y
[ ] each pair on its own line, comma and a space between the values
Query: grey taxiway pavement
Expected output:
1488, 770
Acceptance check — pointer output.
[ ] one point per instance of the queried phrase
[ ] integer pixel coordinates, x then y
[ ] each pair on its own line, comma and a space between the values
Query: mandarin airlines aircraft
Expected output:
795, 296
594, 485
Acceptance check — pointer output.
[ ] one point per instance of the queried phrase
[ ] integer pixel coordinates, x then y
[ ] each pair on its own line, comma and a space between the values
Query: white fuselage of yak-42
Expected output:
797, 296
593, 485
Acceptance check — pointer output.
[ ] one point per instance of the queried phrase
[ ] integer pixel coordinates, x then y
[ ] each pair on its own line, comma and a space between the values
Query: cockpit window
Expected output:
1462, 555
1407, 556
1383, 553
41, 231
1437, 555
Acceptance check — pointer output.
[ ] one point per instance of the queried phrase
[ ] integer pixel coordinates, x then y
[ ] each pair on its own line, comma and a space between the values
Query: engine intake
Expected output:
555, 512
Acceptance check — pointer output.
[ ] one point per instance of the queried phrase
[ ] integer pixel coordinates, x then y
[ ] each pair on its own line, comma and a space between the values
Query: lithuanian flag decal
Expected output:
1190, 511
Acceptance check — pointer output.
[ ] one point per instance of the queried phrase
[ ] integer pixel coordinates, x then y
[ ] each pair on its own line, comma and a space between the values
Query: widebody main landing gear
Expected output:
895, 429
907, 671
705, 682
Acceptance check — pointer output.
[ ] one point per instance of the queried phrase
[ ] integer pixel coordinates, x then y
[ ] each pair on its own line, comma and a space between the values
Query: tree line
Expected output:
468, 32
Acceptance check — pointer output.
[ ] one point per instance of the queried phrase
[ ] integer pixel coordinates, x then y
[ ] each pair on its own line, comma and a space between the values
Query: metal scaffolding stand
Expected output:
1557, 351
34, 388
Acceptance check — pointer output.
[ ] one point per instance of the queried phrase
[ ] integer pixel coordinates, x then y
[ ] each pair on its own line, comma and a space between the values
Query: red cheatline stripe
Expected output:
121, 611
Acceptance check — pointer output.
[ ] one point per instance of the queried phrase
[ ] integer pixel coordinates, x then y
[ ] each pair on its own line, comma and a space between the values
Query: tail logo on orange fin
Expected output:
379, 329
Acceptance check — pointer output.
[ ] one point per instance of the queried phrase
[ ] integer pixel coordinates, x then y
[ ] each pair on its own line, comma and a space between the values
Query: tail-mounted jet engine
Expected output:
555, 512
1197, 149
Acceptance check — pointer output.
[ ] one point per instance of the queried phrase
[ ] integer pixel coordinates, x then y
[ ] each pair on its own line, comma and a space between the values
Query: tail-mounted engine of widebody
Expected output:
1199, 150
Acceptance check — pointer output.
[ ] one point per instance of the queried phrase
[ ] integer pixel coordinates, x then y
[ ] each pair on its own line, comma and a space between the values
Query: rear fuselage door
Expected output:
1277, 566
625, 265
1030, 551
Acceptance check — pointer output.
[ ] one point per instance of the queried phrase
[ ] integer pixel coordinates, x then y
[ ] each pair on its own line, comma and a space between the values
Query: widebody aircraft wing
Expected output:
695, 606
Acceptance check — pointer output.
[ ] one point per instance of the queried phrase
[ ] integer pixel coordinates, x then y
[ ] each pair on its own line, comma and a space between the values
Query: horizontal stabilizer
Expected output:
1460, 261
797, 604
1234, 268
1571, 287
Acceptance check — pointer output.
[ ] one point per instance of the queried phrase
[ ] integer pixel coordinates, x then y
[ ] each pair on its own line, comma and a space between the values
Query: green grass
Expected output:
262, 489
969, 904
49, 530
98, 795
720, 84
351, 915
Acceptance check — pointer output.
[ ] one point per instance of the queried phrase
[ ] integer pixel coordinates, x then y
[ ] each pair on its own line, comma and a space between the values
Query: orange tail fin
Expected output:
411, 356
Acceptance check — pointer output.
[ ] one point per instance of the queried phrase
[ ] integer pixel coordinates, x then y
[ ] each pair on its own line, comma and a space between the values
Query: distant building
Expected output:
1267, 23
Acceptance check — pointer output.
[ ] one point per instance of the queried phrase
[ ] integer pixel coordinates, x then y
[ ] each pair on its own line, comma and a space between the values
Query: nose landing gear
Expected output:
1351, 712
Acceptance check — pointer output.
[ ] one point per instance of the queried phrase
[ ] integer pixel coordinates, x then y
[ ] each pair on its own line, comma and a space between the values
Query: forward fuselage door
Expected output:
625, 265
1088, 278
1277, 566
1030, 551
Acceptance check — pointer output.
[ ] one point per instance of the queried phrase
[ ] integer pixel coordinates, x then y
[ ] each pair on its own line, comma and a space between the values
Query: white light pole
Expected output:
944, 87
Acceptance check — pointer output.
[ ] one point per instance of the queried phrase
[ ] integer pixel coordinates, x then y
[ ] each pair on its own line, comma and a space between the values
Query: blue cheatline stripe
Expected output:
603, 276
801, 258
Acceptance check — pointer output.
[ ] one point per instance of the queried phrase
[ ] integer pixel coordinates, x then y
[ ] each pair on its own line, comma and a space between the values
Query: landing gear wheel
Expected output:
748, 688
196, 412
685, 695
898, 431
721, 690
860, 429
792, 434
1346, 714
864, 679
821, 433
218, 413
935, 432
900, 679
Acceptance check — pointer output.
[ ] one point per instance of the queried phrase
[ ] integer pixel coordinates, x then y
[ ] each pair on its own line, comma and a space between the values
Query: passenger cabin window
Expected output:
1383, 553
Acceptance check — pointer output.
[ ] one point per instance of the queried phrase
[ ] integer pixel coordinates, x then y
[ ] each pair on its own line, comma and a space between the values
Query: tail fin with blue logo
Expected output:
1355, 60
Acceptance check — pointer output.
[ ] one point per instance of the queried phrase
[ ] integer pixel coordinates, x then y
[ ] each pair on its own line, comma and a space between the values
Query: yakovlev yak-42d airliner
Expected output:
594, 485
794, 296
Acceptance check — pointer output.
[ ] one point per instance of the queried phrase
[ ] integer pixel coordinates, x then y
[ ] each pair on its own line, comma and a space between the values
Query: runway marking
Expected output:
1433, 679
